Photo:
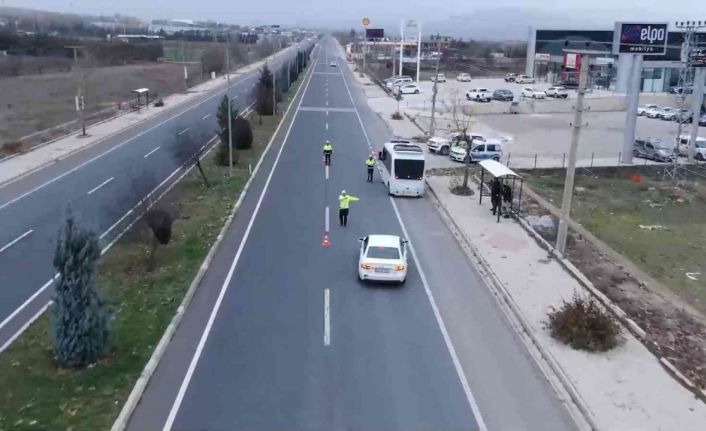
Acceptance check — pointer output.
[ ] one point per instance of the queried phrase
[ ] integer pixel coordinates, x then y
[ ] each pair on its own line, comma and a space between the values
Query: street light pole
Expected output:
230, 118
433, 93
80, 100
571, 170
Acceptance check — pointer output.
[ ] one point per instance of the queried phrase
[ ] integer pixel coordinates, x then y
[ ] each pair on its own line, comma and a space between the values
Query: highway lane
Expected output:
265, 363
99, 184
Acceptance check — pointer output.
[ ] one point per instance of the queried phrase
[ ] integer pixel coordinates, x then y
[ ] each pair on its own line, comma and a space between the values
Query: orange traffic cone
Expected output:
325, 242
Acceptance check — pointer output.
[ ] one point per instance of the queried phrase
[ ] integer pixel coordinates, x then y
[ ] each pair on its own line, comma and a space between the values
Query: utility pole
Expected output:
230, 119
401, 45
80, 99
419, 49
394, 59
576, 126
695, 74
433, 93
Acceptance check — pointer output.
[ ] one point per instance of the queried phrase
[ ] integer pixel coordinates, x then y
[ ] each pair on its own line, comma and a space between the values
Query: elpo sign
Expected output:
640, 38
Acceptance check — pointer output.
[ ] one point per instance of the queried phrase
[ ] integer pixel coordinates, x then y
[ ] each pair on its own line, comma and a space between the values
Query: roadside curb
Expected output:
151, 366
502, 293
618, 312
166, 110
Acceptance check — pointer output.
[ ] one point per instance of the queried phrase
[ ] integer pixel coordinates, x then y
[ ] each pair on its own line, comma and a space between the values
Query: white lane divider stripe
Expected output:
205, 116
18, 239
437, 314
93, 190
184, 131
327, 317
326, 219
326, 126
327, 170
150, 153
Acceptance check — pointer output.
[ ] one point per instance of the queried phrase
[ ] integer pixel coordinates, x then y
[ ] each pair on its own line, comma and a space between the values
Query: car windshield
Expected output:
409, 169
379, 252
661, 145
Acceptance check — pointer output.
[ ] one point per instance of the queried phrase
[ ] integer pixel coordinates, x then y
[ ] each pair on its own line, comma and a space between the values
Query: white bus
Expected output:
403, 168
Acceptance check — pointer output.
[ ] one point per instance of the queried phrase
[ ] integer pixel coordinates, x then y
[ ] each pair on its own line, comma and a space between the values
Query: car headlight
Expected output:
399, 267
366, 266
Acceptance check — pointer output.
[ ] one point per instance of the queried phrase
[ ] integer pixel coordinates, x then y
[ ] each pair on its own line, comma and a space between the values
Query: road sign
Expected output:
542, 57
640, 38
366, 22
698, 57
374, 33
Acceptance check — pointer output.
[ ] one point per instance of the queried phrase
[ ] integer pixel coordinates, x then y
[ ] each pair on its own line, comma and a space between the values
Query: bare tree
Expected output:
188, 151
462, 119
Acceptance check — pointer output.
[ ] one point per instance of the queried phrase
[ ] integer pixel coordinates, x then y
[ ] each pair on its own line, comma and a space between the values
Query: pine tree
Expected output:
81, 322
263, 92
222, 117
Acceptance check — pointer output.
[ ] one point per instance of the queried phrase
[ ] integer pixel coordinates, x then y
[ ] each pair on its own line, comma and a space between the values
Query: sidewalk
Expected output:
625, 388
17, 166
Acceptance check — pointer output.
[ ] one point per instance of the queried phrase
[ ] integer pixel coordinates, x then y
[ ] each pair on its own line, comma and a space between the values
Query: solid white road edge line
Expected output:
110, 150
447, 339
25, 326
18, 239
204, 336
327, 317
150, 153
93, 190
117, 237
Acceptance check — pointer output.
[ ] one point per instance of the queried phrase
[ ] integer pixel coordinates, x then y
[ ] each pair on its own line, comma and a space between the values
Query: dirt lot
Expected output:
36, 102
658, 226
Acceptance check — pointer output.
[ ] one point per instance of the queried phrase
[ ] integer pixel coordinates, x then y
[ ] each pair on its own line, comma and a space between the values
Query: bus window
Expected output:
409, 169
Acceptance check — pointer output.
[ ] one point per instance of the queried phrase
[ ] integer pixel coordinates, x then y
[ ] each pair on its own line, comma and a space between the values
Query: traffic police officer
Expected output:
344, 202
328, 150
370, 163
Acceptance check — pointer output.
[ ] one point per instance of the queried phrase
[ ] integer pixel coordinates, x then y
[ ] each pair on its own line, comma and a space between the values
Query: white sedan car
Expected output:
333, 63
383, 258
409, 89
463, 77
533, 93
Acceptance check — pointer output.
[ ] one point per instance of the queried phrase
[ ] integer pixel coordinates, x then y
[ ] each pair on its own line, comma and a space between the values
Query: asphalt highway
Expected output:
100, 185
282, 335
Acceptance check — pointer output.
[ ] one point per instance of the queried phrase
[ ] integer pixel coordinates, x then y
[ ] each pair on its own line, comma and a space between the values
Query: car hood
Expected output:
438, 140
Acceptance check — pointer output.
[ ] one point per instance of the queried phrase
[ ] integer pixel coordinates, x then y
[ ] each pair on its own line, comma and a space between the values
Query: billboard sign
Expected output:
374, 33
542, 57
640, 38
571, 60
698, 57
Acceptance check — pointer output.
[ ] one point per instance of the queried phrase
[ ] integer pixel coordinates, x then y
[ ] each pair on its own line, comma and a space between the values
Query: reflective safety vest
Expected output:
344, 201
370, 163
328, 149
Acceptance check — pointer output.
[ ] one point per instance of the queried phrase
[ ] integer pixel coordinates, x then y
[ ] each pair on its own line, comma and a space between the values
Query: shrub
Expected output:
81, 323
582, 324
396, 116
242, 133
11, 148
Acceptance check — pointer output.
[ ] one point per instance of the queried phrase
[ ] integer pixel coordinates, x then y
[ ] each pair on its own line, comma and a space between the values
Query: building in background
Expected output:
546, 60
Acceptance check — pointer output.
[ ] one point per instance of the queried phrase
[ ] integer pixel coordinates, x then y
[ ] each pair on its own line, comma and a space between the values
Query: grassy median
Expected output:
36, 394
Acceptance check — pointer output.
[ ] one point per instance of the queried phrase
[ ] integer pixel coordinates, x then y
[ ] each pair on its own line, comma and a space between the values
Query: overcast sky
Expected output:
494, 19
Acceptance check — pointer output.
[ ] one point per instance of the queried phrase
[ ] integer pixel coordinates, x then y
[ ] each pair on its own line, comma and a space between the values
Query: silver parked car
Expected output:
654, 149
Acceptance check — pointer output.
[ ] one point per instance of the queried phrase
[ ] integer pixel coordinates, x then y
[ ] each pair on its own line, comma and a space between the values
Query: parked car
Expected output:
480, 150
503, 95
557, 92
702, 120
400, 80
680, 90
655, 149
568, 83
479, 95
443, 145
533, 93
642, 109
510, 77
382, 258
700, 147
442, 78
333, 63
409, 89
668, 114
524, 79
683, 116
463, 77
654, 112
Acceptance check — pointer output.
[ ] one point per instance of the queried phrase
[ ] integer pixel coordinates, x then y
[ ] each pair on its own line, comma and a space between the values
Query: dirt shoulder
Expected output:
653, 224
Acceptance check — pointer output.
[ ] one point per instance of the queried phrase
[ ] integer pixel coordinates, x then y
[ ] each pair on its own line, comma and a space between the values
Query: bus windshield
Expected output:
406, 169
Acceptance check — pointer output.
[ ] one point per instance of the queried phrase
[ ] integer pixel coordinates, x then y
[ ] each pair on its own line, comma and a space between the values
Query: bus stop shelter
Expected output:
142, 97
510, 186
